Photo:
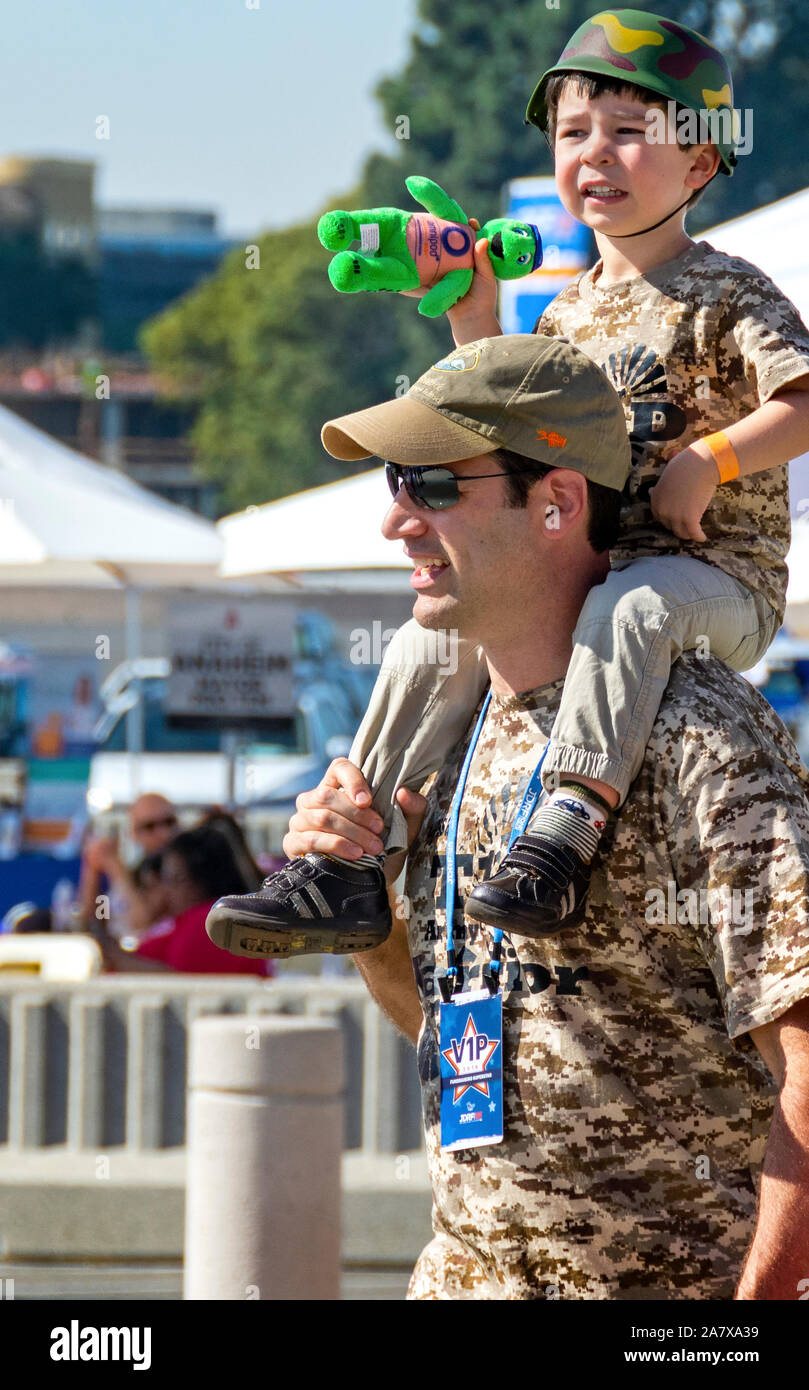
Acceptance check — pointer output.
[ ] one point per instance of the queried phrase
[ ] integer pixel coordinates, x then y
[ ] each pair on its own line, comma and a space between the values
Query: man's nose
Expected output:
403, 518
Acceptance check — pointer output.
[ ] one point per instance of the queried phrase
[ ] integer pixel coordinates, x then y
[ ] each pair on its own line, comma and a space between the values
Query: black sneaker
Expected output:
314, 904
540, 887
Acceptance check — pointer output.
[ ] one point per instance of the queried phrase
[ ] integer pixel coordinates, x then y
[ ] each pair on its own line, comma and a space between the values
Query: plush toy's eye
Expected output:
521, 260
521, 231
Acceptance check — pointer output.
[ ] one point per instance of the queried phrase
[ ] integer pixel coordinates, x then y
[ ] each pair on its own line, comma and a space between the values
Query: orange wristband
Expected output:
724, 456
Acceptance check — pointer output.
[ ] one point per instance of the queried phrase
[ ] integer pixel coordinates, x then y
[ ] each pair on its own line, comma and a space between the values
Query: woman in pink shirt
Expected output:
197, 867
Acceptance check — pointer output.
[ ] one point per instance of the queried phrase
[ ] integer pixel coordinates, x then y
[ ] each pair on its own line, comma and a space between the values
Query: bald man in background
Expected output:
152, 824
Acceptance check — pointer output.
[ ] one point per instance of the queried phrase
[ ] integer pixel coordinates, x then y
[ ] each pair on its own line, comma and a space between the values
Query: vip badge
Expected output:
471, 1066
469, 1058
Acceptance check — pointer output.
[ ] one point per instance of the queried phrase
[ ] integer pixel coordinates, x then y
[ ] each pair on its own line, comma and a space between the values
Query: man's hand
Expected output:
101, 856
686, 486
777, 1265
337, 818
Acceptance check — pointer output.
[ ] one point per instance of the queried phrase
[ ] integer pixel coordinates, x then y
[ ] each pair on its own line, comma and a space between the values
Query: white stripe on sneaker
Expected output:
318, 900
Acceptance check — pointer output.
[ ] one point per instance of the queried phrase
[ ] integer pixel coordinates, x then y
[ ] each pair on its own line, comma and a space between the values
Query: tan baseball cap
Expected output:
535, 395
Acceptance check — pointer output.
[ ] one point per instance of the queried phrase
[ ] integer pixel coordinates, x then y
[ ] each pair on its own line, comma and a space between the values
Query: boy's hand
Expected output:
686, 486
336, 818
474, 316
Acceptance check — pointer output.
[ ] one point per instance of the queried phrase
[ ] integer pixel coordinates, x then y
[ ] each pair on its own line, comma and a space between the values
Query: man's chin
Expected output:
436, 614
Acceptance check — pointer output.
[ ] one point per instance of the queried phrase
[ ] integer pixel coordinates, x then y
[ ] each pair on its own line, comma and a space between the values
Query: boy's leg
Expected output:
424, 697
631, 628
630, 631
421, 705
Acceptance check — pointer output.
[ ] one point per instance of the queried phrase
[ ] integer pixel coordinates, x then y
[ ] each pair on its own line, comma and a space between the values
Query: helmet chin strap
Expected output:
623, 235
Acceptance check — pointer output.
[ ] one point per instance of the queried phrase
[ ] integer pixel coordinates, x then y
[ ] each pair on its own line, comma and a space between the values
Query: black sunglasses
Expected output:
168, 821
432, 486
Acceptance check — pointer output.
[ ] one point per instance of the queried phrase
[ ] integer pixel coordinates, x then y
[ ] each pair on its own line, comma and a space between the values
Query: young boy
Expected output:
712, 364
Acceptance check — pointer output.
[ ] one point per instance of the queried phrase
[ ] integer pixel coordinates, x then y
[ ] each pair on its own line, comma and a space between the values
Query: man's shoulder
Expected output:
711, 718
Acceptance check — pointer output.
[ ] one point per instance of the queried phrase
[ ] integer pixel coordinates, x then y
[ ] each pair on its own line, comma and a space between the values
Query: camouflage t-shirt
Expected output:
634, 1126
691, 347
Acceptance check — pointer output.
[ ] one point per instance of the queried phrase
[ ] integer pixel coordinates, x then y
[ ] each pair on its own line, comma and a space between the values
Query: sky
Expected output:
260, 110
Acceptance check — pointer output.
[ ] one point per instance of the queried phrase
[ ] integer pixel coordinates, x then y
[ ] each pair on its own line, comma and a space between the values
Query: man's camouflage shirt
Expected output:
636, 1104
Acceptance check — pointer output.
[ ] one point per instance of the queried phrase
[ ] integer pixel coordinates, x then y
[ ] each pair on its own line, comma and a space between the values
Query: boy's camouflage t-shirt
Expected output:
634, 1127
692, 347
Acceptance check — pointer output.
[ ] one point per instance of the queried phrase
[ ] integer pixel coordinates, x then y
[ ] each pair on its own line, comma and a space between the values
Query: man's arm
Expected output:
777, 1265
337, 818
101, 856
117, 959
388, 973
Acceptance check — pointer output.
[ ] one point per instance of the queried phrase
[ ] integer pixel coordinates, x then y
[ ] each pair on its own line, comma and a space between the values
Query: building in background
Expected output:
77, 282
61, 191
148, 258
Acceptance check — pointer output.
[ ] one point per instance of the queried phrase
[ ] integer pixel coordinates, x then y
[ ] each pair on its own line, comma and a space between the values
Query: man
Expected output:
636, 1098
134, 906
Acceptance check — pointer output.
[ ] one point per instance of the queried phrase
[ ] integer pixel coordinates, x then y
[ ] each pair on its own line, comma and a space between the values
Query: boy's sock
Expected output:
574, 816
365, 861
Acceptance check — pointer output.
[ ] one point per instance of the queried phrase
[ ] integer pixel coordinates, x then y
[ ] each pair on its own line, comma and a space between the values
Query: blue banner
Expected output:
567, 251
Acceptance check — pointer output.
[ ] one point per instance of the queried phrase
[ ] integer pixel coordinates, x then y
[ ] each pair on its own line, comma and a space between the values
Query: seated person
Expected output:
195, 869
134, 903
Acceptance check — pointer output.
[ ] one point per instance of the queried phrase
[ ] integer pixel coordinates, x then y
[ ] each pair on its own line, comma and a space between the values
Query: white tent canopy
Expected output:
774, 239
797, 615
67, 520
323, 530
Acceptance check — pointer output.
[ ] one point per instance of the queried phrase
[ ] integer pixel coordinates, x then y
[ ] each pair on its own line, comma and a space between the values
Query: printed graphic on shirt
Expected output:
639, 377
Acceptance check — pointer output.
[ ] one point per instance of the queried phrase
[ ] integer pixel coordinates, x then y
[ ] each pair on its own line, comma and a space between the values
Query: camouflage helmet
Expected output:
646, 50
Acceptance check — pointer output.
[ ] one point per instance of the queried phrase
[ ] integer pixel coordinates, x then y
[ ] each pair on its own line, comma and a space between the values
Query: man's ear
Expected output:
560, 500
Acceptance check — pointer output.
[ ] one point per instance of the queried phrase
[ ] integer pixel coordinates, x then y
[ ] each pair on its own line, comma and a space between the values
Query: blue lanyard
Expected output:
530, 798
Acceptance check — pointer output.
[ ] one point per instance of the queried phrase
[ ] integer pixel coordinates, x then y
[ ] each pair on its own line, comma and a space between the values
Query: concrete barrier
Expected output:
93, 1123
264, 1146
103, 1064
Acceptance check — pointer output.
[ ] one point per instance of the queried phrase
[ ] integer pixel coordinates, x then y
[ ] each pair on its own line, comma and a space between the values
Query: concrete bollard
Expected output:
265, 1131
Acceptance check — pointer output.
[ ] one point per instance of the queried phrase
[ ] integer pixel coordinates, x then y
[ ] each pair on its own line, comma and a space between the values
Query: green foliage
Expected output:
273, 352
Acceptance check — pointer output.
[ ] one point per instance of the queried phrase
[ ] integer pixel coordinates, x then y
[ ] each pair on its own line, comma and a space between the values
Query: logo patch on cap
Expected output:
457, 363
554, 441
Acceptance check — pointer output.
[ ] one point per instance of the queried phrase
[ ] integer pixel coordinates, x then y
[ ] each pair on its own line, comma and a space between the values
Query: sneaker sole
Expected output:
251, 935
489, 915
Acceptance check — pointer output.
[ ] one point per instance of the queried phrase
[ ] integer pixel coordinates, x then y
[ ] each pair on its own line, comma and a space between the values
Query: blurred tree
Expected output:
273, 352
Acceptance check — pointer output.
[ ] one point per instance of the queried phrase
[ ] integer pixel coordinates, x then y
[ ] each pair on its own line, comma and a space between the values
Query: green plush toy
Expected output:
404, 250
